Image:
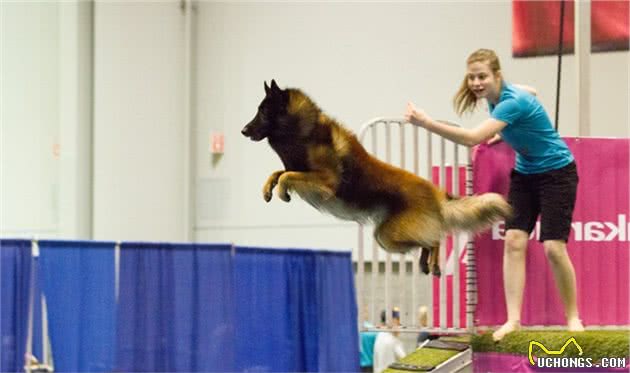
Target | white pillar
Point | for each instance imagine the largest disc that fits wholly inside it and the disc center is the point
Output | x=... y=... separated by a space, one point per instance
x=75 y=118
x=189 y=148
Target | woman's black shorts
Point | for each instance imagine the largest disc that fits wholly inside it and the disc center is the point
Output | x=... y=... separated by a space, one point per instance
x=550 y=194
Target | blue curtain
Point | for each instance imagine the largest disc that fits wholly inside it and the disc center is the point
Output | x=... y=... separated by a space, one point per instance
x=78 y=280
x=214 y=308
x=182 y=307
x=176 y=308
x=298 y=312
x=337 y=309
x=15 y=273
x=264 y=342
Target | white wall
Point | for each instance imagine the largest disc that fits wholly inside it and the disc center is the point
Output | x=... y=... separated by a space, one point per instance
x=358 y=61
x=138 y=126
x=29 y=116
x=45 y=125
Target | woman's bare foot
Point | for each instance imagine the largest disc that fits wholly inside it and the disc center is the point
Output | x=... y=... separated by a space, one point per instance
x=508 y=327
x=575 y=325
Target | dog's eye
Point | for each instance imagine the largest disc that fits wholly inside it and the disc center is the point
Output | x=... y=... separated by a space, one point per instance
x=265 y=112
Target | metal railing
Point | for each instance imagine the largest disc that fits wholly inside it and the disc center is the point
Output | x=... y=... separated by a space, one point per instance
x=420 y=291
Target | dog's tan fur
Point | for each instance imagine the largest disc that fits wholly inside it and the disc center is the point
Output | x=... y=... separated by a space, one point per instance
x=327 y=166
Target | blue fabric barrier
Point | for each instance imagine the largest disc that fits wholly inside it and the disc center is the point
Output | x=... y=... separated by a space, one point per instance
x=337 y=309
x=265 y=342
x=176 y=308
x=15 y=272
x=297 y=311
x=78 y=280
x=211 y=308
x=181 y=307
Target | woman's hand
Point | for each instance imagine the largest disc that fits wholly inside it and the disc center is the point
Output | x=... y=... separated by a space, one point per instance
x=495 y=139
x=416 y=116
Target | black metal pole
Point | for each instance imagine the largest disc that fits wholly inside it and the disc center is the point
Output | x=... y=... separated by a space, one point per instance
x=560 y=45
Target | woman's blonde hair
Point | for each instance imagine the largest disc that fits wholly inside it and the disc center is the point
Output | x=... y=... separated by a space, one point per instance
x=465 y=100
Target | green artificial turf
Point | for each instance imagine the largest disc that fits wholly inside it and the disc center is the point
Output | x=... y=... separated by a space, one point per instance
x=425 y=357
x=595 y=344
x=431 y=356
x=462 y=338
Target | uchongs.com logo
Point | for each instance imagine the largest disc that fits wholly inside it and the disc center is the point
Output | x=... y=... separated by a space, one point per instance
x=552 y=360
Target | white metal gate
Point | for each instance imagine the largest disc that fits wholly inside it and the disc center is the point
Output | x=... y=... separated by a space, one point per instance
x=382 y=132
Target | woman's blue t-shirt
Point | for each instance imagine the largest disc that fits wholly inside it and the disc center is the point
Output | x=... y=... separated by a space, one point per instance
x=529 y=132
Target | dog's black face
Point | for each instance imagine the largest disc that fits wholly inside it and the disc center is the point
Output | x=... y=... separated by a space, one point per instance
x=271 y=109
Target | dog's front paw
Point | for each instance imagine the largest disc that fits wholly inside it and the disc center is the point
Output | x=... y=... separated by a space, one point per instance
x=271 y=183
x=267 y=195
x=284 y=195
x=268 y=189
x=284 y=185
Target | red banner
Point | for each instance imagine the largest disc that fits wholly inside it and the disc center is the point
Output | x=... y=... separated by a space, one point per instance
x=536 y=27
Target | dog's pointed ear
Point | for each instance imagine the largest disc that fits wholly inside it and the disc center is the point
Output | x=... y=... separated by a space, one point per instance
x=274 y=86
x=276 y=92
x=267 y=90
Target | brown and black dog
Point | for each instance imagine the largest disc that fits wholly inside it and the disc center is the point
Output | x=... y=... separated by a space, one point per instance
x=325 y=164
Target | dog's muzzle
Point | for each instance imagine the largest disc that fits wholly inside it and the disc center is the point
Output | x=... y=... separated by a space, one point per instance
x=251 y=131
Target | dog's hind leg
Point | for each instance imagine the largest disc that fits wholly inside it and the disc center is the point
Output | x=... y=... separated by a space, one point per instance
x=434 y=260
x=430 y=260
x=318 y=182
x=402 y=232
x=424 y=260
x=272 y=180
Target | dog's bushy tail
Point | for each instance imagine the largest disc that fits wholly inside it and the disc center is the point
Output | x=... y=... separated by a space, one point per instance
x=475 y=213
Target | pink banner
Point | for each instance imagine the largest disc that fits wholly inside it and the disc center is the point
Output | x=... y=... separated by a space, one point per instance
x=598 y=245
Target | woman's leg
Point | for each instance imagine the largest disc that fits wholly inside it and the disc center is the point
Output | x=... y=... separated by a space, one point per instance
x=564 y=274
x=514 y=255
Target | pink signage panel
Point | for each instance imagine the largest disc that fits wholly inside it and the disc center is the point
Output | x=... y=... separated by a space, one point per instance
x=599 y=244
